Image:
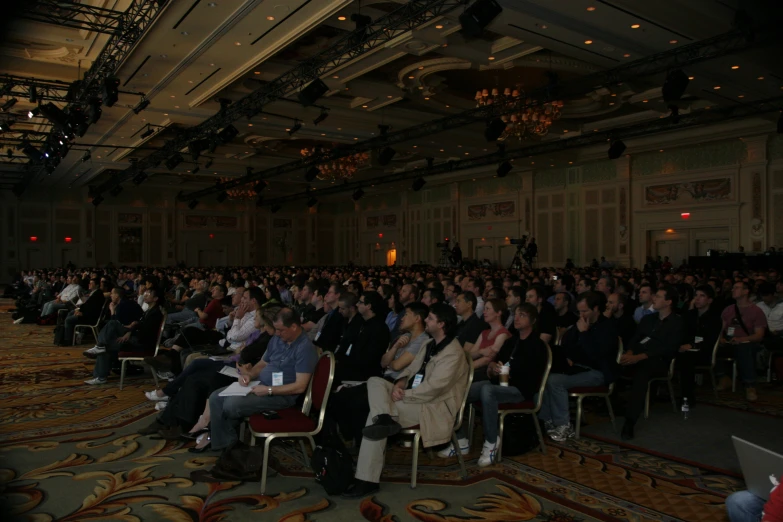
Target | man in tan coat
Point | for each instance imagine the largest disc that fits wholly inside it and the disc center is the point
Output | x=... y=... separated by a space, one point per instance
x=428 y=392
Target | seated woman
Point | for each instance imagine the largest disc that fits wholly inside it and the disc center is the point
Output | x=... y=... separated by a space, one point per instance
x=526 y=357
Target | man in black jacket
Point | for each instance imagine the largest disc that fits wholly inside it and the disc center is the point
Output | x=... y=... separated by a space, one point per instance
x=86 y=313
x=361 y=359
x=656 y=342
x=590 y=349
x=142 y=336
x=702 y=329
x=328 y=337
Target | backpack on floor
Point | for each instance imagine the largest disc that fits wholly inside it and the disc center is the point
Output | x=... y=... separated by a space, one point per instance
x=239 y=462
x=519 y=434
x=331 y=462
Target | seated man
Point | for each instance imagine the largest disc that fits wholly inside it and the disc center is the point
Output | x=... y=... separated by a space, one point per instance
x=115 y=337
x=590 y=349
x=283 y=373
x=702 y=328
x=657 y=340
x=87 y=313
x=188 y=313
x=429 y=392
x=64 y=299
x=620 y=316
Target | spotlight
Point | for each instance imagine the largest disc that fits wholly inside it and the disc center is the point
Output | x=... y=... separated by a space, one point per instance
x=295 y=128
x=195 y=170
x=196 y=146
x=478 y=16
x=111 y=94
x=54 y=114
x=7 y=88
x=430 y=162
x=193 y=204
x=312 y=202
x=147 y=133
x=311 y=174
x=5 y=126
x=224 y=103
x=276 y=208
x=260 y=200
x=95 y=111
x=418 y=184
x=86 y=156
x=30 y=151
x=384 y=129
x=312 y=92
x=358 y=194
x=321 y=117
x=9 y=153
x=139 y=178
x=8 y=104
x=616 y=149
x=222 y=197
x=173 y=161
x=675 y=115
x=503 y=169
x=116 y=191
x=73 y=91
x=386 y=155
x=143 y=104
x=33 y=94
x=361 y=21
x=77 y=121
x=208 y=163
x=97 y=200
x=228 y=134
x=494 y=129
x=674 y=86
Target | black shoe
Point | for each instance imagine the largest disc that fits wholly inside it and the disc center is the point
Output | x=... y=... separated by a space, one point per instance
x=627 y=433
x=152 y=429
x=361 y=488
x=382 y=427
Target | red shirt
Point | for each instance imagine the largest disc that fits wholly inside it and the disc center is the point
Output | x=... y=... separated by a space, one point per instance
x=773 y=509
x=752 y=316
x=214 y=311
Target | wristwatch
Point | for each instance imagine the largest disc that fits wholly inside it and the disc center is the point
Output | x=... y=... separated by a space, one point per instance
x=269 y=390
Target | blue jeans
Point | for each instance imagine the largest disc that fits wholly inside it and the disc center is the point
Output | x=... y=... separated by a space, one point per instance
x=52 y=307
x=199 y=365
x=745 y=355
x=491 y=395
x=554 y=405
x=744 y=506
x=184 y=316
x=227 y=412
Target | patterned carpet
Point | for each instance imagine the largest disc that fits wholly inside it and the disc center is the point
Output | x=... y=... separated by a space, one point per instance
x=69 y=451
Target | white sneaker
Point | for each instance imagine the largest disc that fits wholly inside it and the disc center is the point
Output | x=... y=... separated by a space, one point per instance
x=95 y=350
x=448 y=452
x=562 y=433
x=487 y=455
x=19 y=321
x=164 y=376
x=96 y=380
x=161 y=405
x=153 y=396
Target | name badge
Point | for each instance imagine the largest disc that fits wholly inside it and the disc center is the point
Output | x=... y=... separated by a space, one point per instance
x=698 y=339
x=277 y=379
x=317 y=335
x=417 y=380
x=644 y=341
x=730 y=330
x=348 y=351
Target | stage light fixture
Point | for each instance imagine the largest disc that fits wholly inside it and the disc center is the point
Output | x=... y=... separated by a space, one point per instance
x=196 y=146
x=116 y=191
x=478 y=16
x=222 y=197
x=9 y=153
x=276 y=208
x=193 y=204
x=95 y=110
x=358 y=194
x=261 y=185
x=311 y=174
x=143 y=104
x=28 y=150
x=675 y=85
x=97 y=200
x=8 y=105
x=174 y=160
x=430 y=162
x=111 y=90
x=195 y=170
x=7 y=88
x=227 y=134
x=5 y=126
x=208 y=163
x=312 y=202
x=616 y=149
x=361 y=21
x=386 y=155
x=33 y=94
x=139 y=178
x=54 y=114
x=321 y=117
x=312 y=92
x=86 y=156
x=418 y=184
x=147 y=133
x=297 y=125
x=503 y=169
x=224 y=103
x=495 y=129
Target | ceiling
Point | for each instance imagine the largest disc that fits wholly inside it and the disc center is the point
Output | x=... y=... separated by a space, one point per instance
x=199 y=52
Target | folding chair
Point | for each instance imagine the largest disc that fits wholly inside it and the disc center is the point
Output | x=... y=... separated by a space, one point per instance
x=94 y=328
x=580 y=392
x=711 y=368
x=293 y=422
x=138 y=356
x=668 y=378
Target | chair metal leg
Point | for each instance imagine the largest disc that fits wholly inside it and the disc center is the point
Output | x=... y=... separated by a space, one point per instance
x=471 y=425
x=499 y=441
x=252 y=438
x=265 y=464
x=540 y=435
x=733 y=376
x=578 y=420
x=611 y=413
x=671 y=394
x=304 y=453
x=647 y=402
x=122 y=372
x=415 y=465
x=154 y=376
x=460 y=458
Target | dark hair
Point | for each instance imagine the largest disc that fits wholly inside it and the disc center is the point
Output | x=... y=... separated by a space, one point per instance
x=566 y=296
x=288 y=317
x=419 y=309
x=647 y=285
x=478 y=283
x=609 y=283
x=414 y=290
x=436 y=294
x=539 y=290
x=710 y=292
x=470 y=297
x=222 y=289
x=375 y=301
x=530 y=310
x=446 y=315
x=593 y=299
x=671 y=294
x=517 y=291
x=273 y=291
x=567 y=280
x=349 y=298
x=621 y=298
x=766 y=288
x=120 y=290
x=589 y=282
x=257 y=295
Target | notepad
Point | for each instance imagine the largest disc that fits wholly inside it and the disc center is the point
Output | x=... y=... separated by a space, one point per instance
x=229 y=371
x=237 y=390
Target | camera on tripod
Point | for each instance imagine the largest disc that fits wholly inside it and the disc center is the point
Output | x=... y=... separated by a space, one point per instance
x=442 y=245
x=520 y=242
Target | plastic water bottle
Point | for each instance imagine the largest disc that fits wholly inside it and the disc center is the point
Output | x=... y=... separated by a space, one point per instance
x=685 y=408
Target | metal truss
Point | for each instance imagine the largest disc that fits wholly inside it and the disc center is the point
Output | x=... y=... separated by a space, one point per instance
x=721 y=45
x=375 y=35
x=131 y=27
x=67 y=13
x=19 y=86
x=659 y=125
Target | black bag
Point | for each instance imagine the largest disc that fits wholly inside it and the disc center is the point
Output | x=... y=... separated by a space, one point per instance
x=59 y=335
x=519 y=434
x=239 y=462
x=332 y=464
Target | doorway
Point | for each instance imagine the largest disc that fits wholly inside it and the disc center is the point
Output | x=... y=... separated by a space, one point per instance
x=704 y=245
x=35 y=258
x=69 y=256
x=391 y=257
x=675 y=249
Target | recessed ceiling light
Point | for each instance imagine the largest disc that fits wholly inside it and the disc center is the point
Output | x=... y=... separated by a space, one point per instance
x=165 y=113
x=588 y=42
x=543 y=26
x=635 y=26
x=735 y=67
x=322 y=134
x=287 y=129
x=176 y=106
x=532 y=162
x=355 y=139
x=760 y=78
x=438 y=27
x=707 y=107
x=341 y=18
x=691 y=77
x=645 y=101
x=591 y=8
x=212 y=4
x=626 y=55
x=570 y=162
x=249 y=124
x=256 y=72
x=164 y=55
x=364 y=106
x=212 y=65
x=491 y=58
x=611 y=103
x=184 y=33
x=389 y=96
x=172 y=96
x=336 y=76
x=442 y=150
x=672 y=41
x=339 y=128
x=237 y=43
x=190 y=81
x=411 y=77
x=448 y=106
x=270 y=18
x=613 y=95
x=716 y=87
x=741 y=96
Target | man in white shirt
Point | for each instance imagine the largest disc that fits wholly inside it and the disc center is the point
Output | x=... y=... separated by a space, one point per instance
x=645 y=303
x=476 y=285
x=772 y=306
x=64 y=299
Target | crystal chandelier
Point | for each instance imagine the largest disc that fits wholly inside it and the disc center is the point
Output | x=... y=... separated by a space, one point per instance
x=340 y=168
x=533 y=120
x=247 y=191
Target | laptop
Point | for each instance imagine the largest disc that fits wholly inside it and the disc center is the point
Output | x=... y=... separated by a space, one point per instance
x=761 y=468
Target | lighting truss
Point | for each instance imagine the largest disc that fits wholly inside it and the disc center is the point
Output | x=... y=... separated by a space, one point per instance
x=715 y=47
x=66 y=13
x=51 y=90
x=376 y=35
x=659 y=125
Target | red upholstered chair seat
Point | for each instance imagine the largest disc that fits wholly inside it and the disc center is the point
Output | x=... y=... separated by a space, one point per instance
x=143 y=353
x=291 y=420
x=524 y=405
x=589 y=389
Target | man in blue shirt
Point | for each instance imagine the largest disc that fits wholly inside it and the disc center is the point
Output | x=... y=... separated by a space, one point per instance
x=284 y=373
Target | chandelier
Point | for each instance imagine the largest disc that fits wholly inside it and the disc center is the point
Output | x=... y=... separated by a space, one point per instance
x=340 y=168
x=533 y=120
x=247 y=191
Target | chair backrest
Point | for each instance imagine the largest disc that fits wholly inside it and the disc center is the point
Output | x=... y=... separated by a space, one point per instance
x=102 y=314
x=620 y=351
x=458 y=420
x=715 y=351
x=320 y=387
x=544 y=378
x=160 y=330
